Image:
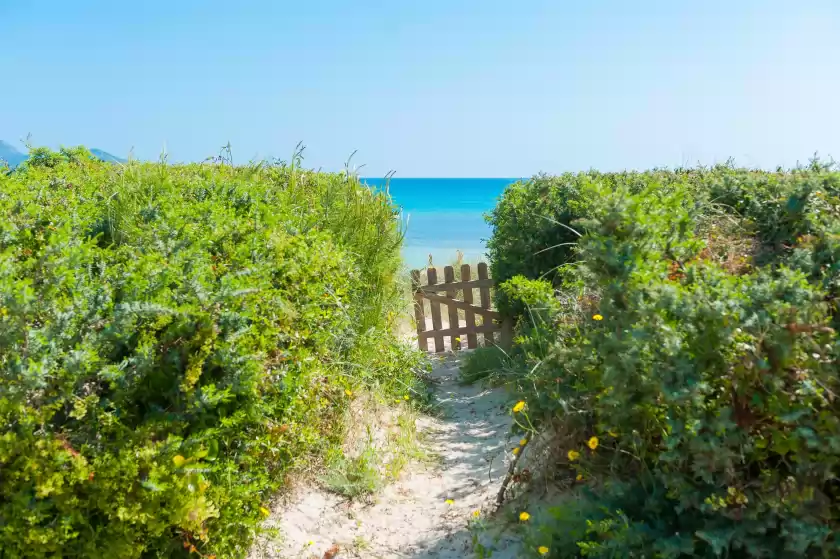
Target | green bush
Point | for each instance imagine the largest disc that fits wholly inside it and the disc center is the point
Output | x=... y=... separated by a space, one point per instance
x=173 y=339
x=698 y=398
x=534 y=231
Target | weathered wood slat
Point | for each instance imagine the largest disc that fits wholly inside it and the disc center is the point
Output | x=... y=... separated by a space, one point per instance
x=491 y=321
x=458 y=285
x=488 y=314
x=484 y=294
x=419 y=313
x=507 y=333
x=469 y=315
x=435 y=301
x=449 y=278
x=459 y=331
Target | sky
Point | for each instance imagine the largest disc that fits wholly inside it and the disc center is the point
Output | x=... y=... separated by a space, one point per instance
x=442 y=88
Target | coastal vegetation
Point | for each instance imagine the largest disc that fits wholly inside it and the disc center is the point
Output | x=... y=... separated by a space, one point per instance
x=677 y=340
x=176 y=339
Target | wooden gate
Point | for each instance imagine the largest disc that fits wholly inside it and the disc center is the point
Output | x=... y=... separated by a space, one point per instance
x=490 y=325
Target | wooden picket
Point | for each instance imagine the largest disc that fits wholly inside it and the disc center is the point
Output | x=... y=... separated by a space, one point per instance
x=492 y=322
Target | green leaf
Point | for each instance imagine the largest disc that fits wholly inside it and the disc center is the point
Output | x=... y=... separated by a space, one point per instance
x=718 y=539
x=793 y=416
x=212 y=450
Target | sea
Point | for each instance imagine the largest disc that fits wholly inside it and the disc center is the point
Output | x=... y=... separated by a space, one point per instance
x=443 y=216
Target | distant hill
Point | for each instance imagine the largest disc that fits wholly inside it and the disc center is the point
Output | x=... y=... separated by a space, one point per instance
x=105 y=156
x=14 y=157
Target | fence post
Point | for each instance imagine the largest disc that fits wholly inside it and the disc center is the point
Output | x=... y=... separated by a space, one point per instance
x=507 y=333
x=419 y=314
x=454 y=321
x=469 y=316
x=431 y=273
x=484 y=295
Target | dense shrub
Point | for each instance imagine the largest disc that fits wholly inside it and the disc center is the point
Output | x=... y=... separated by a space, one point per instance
x=173 y=339
x=698 y=395
x=533 y=231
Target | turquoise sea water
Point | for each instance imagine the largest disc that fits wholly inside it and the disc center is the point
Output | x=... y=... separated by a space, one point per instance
x=444 y=216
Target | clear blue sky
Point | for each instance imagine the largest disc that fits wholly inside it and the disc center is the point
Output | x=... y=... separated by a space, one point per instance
x=432 y=87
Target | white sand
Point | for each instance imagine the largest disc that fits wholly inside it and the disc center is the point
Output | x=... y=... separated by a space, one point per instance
x=410 y=518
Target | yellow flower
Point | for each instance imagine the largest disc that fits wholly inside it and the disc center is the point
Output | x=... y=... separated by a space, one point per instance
x=524 y=516
x=523 y=442
x=449 y=502
x=264 y=511
x=543 y=550
x=592 y=443
x=520 y=405
x=178 y=461
x=597 y=317
x=476 y=513
x=457 y=339
x=405 y=397
x=579 y=477
x=310 y=542
x=516 y=451
x=348 y=392
x=573 y=455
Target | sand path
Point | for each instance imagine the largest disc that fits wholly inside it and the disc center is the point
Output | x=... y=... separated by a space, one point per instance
x=410 y=518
